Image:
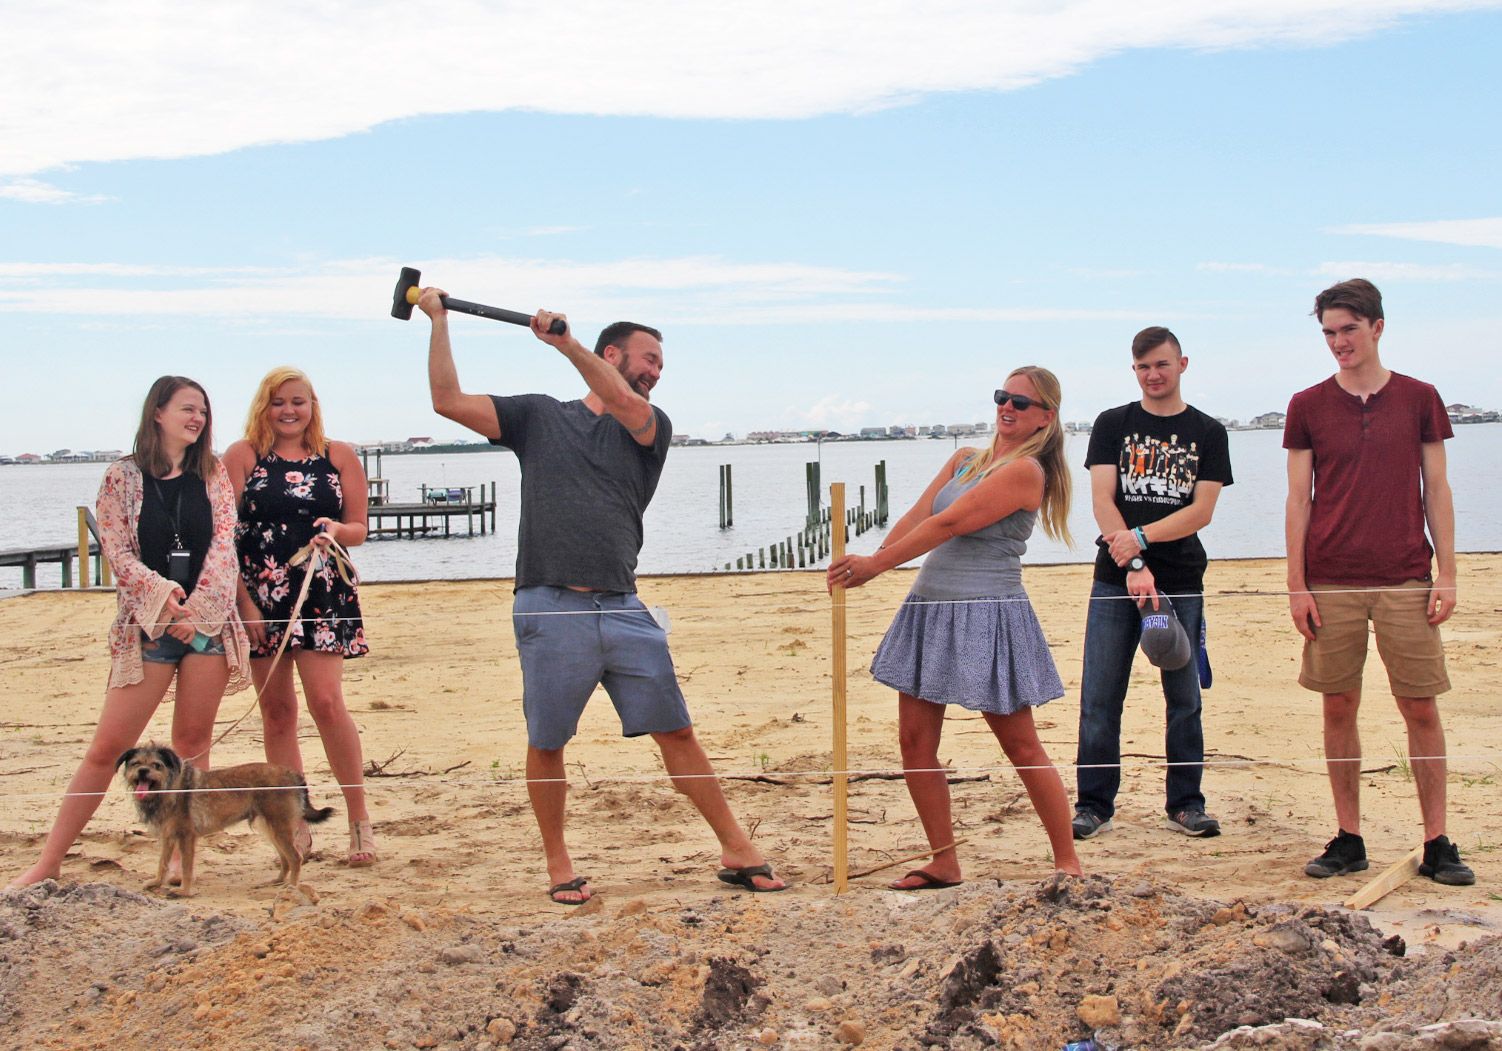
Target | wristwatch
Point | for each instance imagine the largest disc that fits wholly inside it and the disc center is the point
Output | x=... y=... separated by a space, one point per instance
x=1136 y=565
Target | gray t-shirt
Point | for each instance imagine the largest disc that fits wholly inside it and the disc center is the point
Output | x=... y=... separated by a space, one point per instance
x=984 y=564
x=585 y=485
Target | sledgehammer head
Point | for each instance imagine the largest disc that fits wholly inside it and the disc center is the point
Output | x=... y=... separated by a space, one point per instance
x=408 y=288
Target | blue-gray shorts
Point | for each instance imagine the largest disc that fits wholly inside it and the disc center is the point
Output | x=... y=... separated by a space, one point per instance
x=571 y=641
x=167 y=650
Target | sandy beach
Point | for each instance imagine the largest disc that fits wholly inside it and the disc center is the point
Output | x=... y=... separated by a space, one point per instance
x=450 y=941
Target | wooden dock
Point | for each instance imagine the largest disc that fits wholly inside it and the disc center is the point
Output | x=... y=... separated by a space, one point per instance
x=28 y=558
x=436 y=514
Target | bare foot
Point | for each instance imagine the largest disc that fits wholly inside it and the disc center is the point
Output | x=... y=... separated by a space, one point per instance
x=33 y=876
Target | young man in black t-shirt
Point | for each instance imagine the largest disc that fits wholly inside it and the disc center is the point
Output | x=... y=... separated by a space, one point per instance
x=1156 y=469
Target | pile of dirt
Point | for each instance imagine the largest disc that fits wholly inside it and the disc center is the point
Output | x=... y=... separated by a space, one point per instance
x=1025 y=966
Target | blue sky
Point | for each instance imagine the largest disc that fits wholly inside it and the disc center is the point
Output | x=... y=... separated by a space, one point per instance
x=843 y=217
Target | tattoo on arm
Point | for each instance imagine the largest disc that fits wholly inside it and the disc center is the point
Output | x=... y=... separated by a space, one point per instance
x=639 y=431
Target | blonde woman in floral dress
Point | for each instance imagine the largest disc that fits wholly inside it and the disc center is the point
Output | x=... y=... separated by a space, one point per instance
x=166 y=523
x=295 y=486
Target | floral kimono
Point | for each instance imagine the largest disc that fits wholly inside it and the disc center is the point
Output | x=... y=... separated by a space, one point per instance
x=142 y=594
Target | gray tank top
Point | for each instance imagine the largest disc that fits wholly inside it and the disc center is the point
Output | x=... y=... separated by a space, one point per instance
x=982 y=564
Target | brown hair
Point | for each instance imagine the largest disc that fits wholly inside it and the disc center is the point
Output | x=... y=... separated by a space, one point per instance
x=258 y=429
x=617 y=333
x=148 y=454
x=1047 y=447
x=1150 y=339
x=1358 y=295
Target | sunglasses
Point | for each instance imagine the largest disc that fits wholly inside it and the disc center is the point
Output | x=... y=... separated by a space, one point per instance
x=1021 y=402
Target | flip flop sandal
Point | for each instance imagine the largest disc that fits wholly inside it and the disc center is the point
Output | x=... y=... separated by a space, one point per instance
x=575 y=884
x=746 y=878
x=930 y=881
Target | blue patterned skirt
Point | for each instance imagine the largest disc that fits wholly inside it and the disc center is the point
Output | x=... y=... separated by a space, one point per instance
x=986 y=654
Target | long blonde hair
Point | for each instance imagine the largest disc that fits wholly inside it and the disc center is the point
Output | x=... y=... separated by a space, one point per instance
x=258 y=430
x=1047 y=447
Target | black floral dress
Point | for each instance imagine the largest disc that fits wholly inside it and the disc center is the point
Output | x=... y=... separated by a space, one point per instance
x=281 y=501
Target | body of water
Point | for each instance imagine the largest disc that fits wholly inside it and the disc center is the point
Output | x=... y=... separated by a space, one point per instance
x=37 y=503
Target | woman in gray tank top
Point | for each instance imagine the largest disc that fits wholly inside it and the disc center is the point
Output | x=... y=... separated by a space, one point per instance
x=967 y=634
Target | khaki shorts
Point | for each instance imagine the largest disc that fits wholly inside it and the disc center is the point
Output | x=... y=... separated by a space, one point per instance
x=1408 y=644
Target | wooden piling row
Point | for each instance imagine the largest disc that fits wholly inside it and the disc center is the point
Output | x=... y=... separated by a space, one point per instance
x=813 y=542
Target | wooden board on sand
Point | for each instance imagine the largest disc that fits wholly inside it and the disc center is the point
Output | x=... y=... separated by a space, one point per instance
x=1388 y=882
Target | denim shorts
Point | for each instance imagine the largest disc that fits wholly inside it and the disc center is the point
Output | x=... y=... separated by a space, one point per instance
x=167 y=650
x=570 y=642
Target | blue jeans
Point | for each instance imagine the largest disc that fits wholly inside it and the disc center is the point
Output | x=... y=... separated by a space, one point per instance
x=1113 y=629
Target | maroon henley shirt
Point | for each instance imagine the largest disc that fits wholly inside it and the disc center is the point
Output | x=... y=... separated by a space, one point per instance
x=1366 y=527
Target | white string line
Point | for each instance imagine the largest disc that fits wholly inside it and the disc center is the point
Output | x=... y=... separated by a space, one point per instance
x=1204 y=596
x=792 y=775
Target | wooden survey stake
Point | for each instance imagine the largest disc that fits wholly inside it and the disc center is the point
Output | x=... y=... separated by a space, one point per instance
x=1388 y=882
x=837 y=671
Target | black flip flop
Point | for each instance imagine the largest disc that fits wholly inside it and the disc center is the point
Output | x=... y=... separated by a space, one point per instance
x=746 y=878
x=930 y=881
x=577 y=883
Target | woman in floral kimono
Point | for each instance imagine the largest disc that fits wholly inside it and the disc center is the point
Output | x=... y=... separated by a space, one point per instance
x=297 y=487
x=167 y=525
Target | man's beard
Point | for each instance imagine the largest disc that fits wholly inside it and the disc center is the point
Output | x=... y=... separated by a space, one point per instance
x=639 y=385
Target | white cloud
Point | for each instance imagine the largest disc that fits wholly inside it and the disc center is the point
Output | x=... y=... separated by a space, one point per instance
x=34 y=191
x=1381 y=271
x=84 y=81
x=1373 y=270
x=1479 y=233
x=833 y=412
x=1242 y=268
x=685 y=290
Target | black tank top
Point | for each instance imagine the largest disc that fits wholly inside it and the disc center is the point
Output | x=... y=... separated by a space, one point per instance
x=175 y=508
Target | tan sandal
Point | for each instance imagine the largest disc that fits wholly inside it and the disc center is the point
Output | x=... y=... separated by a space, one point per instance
x=361 y=844
x=302 y=840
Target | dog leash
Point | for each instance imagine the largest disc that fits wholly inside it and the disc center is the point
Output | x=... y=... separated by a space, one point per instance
x=315 y=558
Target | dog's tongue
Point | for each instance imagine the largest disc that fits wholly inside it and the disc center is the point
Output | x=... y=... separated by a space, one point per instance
x=142 y=789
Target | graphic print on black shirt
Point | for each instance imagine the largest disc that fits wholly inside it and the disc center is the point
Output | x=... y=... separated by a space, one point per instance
x=1157 y=471
x=1158 y=461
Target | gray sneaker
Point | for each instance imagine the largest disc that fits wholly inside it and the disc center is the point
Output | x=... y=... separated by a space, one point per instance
x=1194 y=823
x=1087 y=825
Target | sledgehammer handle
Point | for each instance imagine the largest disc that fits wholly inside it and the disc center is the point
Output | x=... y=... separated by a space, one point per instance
x=461 y=306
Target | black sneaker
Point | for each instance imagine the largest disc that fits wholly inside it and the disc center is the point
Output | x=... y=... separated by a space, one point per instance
x=1086 y=824
x=1194 y=823
x=1345 y=853
x=1442 y=864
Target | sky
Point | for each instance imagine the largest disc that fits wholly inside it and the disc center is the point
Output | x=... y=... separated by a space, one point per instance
x=840 y=215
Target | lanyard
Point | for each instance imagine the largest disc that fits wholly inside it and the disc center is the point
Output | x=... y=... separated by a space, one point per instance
x=175 y=515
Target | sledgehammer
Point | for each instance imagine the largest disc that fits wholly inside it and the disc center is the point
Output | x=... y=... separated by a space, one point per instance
x=409 y=288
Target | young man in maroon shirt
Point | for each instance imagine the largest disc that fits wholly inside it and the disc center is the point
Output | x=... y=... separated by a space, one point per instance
x=1366 y=472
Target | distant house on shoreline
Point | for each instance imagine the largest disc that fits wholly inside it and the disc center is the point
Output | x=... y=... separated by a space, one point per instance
x=1460 y=413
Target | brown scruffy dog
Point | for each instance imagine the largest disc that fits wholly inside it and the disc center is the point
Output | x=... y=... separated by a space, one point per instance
x=183 y=802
